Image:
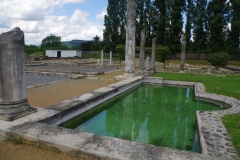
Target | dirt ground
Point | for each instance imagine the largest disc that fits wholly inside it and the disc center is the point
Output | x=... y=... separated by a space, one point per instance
x=44 y=97
x=11 y=151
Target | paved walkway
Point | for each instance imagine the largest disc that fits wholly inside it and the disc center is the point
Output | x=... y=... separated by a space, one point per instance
x=71 y=68
x=33 y=79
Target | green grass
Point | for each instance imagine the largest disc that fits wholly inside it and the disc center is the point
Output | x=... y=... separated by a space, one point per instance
x=228 y=85
x=232 y=123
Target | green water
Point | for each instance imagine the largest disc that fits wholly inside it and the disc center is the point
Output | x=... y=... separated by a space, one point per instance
x=158 y=115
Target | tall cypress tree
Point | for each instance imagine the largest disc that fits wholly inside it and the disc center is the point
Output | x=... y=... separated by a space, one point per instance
x=148 y=22
x=233 y=43
x=218 y=18
x=114 y=23
x=159 y=18
x=122 y=21
x=199 y=27
x=188 y=26
x=175 y=9
x=140 y=19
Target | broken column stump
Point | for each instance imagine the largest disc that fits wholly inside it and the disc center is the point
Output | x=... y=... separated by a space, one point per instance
x=130 y=39
x=13 y=101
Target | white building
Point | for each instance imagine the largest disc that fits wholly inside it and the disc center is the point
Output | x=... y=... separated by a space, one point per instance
x=63 y=53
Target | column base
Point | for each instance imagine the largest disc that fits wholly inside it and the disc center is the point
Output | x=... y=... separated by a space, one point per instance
x=14 y=110
x=125 y=76
x=181 y=71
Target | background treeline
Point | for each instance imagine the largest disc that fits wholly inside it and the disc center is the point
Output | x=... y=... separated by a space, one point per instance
x=53 y=42
x=209 y=25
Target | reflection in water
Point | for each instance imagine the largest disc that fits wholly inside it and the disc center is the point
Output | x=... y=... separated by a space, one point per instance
x=163 y=116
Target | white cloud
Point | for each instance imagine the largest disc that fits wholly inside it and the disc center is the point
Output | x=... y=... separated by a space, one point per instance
x=101 y=15
x=79 y=16
x=35 y=18
x=62 y=2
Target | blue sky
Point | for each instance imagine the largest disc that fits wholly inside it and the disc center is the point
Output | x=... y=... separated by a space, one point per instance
x=70 y=19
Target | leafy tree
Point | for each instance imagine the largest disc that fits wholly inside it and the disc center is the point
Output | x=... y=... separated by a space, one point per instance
x=96 y=44
x=30 y=49
x=122 y=21
x=78 y=47
x=218 y=18
x=144 y=10
x=86 y=46
x=175 y=23
x=233 y=42
x=199 y=26
x=218 y=59
x=96 y=39
x=114 y=23
x=51 y=41
x=159 y=20
x=189 y=21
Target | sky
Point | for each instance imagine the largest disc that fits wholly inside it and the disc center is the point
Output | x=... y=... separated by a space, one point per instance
x=69 y=19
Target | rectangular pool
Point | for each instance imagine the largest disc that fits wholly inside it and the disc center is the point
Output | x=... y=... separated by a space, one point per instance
x=152 y=114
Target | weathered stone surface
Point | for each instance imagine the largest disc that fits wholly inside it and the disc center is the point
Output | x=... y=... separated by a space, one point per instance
x=153 y=58
x=208 y=70
x=142 y=51
x=13 y=102
x=183 y=53
x=130 y=39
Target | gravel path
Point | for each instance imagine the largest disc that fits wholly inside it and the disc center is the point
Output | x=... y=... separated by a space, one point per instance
x=71 y=68
x=34 y=79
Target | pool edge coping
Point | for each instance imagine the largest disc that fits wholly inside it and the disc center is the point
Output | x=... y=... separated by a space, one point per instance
x=27 y=130
x=219 y=135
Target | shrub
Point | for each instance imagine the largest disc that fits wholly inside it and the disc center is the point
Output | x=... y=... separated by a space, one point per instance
x=218 y=59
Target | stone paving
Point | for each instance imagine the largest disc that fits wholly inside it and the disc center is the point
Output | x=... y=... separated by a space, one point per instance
x=77 y=69
x=33 y=79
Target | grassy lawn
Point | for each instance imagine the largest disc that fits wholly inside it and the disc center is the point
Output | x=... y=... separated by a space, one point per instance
x=202 y=62
x=228 y=85
x=232 y=123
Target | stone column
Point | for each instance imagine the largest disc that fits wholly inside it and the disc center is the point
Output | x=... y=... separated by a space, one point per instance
x=130 y=39
x=153 y=58
x=102 y=57
x=141 y=57
x=147 y=63
x=110 y=58
x=208 y=70
x=13 y=101
x=183 y=54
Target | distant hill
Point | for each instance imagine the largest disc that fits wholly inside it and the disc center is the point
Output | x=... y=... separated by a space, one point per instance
x=71 y=43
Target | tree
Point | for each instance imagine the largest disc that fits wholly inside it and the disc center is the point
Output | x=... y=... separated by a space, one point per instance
x=175 y=23
x=51 y=41
x=189 y=21
x=218 y=59
x=114 y=23
x=30 y=49
x=159 y=19
x=86 y=46
x=218 y=18
x=199 y=26
x=96 y=45
x=96 y=39
x=232 y=45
